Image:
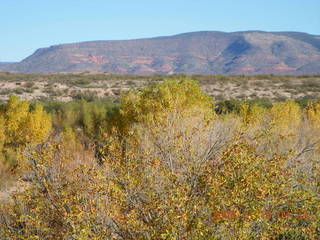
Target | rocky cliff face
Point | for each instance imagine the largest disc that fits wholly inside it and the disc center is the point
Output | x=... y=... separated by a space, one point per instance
x=251 y=52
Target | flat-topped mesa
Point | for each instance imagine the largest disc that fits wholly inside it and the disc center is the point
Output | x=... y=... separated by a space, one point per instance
x=250 y=52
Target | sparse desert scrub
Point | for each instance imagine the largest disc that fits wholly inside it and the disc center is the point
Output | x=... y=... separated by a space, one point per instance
x=232 y=86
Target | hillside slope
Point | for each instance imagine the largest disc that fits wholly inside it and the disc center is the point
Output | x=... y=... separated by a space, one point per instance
x=251 y=52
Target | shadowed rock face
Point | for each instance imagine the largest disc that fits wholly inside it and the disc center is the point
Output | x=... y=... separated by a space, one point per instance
x=251 y=52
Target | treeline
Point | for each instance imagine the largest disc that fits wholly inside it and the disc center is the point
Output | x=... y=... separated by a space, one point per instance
x=165 y=162
x=90 y=114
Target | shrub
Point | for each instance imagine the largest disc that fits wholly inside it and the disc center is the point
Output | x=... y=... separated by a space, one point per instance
x=22 y=126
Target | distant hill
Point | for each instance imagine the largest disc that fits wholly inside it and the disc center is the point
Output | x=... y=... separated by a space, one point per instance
x=251 y=52
x=4 y=64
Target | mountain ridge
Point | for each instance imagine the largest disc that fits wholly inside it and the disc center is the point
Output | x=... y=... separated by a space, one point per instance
x=204 y=52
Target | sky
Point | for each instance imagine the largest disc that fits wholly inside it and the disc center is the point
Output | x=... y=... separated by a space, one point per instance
x=26 y=25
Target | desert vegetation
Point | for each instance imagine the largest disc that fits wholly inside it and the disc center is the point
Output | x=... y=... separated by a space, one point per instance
x=162 y=161
x=70 y=86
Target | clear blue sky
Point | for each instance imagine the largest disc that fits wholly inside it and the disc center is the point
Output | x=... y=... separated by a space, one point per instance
x=26 y=25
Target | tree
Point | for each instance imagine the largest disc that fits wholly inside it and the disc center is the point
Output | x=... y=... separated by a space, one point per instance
x=21 y=126
x=172 y=98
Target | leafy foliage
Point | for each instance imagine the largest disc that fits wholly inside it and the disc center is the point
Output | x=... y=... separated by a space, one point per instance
x=21 y=126
x=169 y=167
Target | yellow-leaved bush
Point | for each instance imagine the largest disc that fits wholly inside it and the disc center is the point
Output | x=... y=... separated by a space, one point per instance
x=285 y=118
x=2 y=129
x=172 y=98
x=21 y=125
x=313 y=114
